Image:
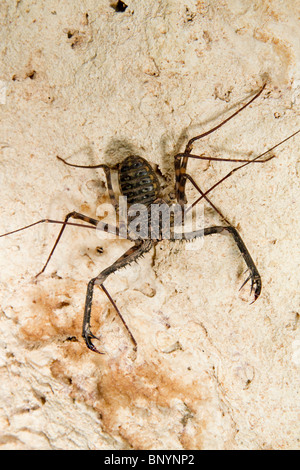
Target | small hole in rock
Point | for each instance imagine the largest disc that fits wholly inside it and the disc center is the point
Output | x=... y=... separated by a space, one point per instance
x=118 y=6
x=62 y=304
x=32 y=74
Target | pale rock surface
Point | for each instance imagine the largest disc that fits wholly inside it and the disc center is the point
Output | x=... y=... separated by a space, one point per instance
x=87 y=83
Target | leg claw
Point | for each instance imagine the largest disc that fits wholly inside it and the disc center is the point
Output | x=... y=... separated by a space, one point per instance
x=255 y=285
x=88 y=335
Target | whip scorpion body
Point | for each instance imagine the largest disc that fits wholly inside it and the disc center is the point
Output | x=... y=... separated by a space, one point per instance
x=139 y=183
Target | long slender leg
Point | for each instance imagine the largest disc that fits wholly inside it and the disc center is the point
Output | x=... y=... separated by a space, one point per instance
x=46 y=221
x=220 y=159
x=128 y=257
x=181 y=160
x=180 y=169
x=95 y=224
x=187 y=176
x=74 y=215
x=107 y=171
x=210 y=131
x=242 y=166
x=181 y=181
x=254 y=274
x=99 y=225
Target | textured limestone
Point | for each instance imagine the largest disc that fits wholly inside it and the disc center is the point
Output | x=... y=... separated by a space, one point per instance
x=86 y=82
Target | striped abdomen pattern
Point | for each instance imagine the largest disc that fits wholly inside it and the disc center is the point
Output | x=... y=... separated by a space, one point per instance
x=138 y=181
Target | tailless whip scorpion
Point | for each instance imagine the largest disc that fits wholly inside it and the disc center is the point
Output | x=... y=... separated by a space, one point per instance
x=140 y=184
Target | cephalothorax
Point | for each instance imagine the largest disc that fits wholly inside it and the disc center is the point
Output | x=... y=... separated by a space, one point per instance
x=139 y=183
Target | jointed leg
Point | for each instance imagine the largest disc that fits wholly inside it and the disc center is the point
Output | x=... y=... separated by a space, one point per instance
x=181 y=160
x=242 y=166
x=94 y=224
x=187 y=176
x=128 y=257
x=189 y=145
x=181 y=197
x=45 y=221
x=181 y=164
x=107 y=171
x=254 y=274
x=75 y=215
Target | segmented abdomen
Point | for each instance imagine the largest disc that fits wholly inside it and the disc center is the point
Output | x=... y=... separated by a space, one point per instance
x=138 y=181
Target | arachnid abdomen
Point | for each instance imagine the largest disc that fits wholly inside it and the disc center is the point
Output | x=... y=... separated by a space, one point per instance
x=138 y=181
